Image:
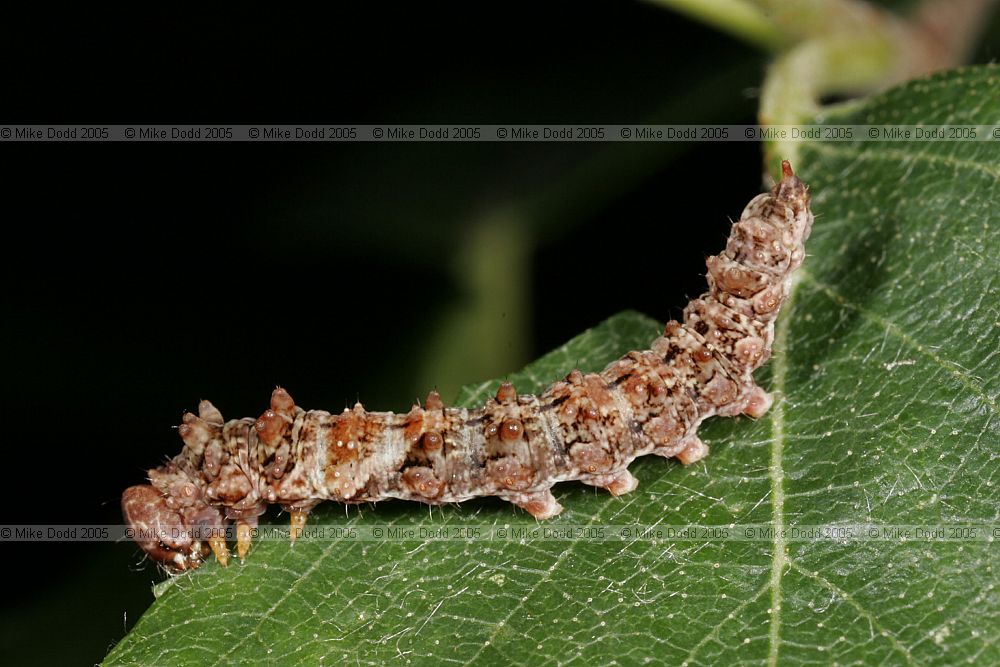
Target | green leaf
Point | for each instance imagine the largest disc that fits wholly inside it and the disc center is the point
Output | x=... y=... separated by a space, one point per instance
x=886 y=370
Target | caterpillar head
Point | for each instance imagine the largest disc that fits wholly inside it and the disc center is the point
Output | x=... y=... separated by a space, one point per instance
x=175 y=537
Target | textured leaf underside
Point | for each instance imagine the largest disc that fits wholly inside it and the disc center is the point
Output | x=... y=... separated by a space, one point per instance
x=886 y=370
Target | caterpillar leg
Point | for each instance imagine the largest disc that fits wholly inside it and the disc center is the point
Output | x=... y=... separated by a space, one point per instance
x=617 y=483
x=541 y=505
x=758 y=404
x=694 y=450
x=243 y=537
x=298 y=513
x=298 y=524
x=220 y=549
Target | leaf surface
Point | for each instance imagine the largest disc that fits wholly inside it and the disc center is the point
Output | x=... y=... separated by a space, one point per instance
x=886 y=370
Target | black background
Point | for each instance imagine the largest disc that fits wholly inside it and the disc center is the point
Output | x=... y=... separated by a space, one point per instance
x=139 y=278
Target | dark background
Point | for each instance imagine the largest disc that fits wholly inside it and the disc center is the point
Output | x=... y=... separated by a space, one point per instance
x=139 y=278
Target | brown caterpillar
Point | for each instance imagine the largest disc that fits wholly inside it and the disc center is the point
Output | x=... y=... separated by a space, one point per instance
x=585 y=427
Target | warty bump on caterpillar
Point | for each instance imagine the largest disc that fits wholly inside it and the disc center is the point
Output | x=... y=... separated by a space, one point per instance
x=587 y=427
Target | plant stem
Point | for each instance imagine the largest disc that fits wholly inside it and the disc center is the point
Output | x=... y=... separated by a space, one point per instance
x=741 y=18
x=855 y=48
x=838 y=46
x=797 y=81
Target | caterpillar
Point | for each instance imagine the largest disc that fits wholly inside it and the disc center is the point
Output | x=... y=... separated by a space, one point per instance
x=586 y=427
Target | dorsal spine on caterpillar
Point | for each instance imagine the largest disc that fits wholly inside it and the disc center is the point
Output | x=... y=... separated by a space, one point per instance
x=587 y=427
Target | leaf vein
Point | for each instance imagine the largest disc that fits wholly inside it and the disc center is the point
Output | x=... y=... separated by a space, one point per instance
x=897 y=155
x=291 y=589
x=868 y=615
x=891 y=327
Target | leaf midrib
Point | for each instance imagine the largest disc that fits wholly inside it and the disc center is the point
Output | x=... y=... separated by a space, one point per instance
x=776 y=472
